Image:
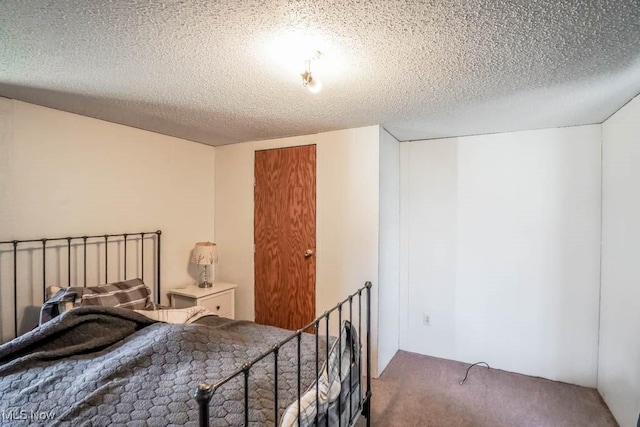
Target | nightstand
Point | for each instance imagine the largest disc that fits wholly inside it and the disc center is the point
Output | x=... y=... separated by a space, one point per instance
x=220 y=299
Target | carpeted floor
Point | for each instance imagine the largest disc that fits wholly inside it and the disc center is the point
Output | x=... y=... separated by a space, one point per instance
x=424 y=391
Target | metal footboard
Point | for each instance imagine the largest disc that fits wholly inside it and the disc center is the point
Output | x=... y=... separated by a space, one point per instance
x=205 y=392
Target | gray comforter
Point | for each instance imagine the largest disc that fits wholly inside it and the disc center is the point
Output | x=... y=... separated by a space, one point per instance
x=110 y=366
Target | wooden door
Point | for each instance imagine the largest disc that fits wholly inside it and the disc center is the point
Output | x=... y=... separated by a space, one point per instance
x=285 y=236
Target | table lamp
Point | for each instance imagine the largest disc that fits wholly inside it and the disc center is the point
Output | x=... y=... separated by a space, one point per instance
x=205 y=253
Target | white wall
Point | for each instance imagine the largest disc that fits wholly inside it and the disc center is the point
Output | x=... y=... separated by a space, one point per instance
x=619 y=363
x=63 y=174
x=347 y=218
x=500 y=243
x=389 y=252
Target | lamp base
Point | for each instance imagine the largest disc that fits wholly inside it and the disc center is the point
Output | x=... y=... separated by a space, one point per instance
x=205 y=285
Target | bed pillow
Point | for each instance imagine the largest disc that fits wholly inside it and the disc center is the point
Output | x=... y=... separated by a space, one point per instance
x=329 y=386
x=177 y=315
x=132 y=294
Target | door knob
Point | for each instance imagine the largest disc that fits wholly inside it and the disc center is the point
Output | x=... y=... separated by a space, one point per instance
x=308 y=253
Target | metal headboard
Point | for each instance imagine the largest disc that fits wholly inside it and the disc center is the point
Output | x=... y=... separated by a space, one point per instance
x=81 y=243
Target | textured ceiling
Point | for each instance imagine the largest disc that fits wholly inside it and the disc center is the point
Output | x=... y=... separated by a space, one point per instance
x=229 y=71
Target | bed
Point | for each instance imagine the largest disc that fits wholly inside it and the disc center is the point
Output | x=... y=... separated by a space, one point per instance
x=106 y=365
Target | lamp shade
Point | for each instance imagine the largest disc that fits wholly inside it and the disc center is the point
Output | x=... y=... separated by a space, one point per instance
x=204 y=253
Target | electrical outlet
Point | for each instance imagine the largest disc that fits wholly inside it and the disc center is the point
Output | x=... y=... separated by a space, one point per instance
x=426 y=319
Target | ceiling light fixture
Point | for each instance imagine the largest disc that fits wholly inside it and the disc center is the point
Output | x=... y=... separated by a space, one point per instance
x=308 y=81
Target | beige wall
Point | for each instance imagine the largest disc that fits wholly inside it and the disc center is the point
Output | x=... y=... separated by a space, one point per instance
x=346 y=223
x=389 y=270
x=63 y=174
x=501 y=249
x=619 y=364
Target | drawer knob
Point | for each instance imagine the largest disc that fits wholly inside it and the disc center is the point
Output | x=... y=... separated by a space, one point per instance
x=218 y=308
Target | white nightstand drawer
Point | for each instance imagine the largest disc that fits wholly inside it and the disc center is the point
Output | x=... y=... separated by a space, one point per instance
x=219 y=303
x=219 y=299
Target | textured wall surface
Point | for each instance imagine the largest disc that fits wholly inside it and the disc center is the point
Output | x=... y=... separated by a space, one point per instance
x=228 y=71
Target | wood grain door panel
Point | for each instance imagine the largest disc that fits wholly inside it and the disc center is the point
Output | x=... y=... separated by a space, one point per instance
x=284 y=229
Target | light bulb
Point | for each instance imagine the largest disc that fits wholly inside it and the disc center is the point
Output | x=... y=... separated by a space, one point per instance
x=314 y=85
